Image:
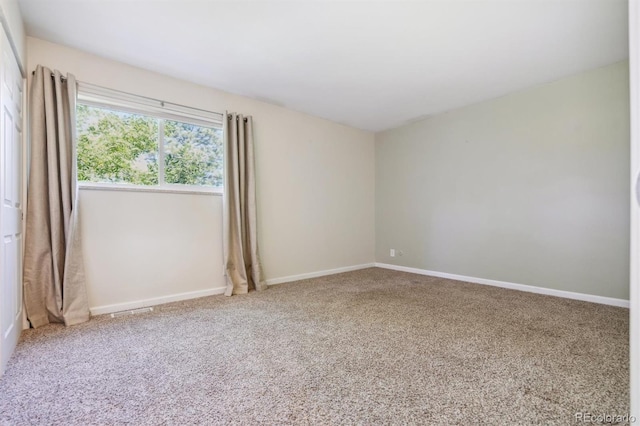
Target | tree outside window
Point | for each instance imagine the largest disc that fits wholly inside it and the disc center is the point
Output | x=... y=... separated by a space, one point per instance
x=123 y=147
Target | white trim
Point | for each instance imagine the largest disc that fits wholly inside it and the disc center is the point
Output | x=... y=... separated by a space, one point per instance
x=110 y=98
x=4 y=21
x=290 y=278
x=170 y=188
x=634 y=282
x=126 y=306
x=161 y=153
x=114 y=107
x=521 y=287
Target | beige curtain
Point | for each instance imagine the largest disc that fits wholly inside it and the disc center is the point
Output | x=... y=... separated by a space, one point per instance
x=242 y=262
x=54 y=281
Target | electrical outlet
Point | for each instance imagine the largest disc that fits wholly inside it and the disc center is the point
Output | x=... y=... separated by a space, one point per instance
x=392 y=252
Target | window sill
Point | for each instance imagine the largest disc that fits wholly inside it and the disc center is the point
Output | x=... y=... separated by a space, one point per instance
x=173 y=189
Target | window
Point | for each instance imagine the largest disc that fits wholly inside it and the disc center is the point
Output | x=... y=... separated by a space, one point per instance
x=128 y=141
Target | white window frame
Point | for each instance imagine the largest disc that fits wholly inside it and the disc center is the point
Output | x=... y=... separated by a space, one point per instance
x=101 y=97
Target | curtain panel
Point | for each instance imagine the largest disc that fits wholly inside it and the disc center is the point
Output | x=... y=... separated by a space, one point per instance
x=241 y=258
x=54 y=278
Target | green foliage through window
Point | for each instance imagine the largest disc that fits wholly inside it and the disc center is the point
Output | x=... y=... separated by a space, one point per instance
x=121 y=147
x=193 y=154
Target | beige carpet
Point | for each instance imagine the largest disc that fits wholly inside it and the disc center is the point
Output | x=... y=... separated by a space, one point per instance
x=365 y=347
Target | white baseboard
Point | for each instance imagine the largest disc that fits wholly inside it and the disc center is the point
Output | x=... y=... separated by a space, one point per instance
x=117 y=307
x=281 y=280
x=107 y=309
x=522 y=287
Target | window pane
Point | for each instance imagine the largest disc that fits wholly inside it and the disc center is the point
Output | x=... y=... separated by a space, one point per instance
x=193 y=154
x=116 y=146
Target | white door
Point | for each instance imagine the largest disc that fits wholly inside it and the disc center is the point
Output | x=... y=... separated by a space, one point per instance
x=11 y=85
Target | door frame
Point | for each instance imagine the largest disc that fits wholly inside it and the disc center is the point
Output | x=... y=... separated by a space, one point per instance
x=634 y=285
x=14 y=96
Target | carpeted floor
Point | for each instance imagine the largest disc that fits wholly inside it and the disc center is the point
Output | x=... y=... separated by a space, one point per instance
x=366 y=347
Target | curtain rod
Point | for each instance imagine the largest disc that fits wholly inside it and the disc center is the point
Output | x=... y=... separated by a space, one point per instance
x=243 y=119
x=63 y=78
x=95 y=86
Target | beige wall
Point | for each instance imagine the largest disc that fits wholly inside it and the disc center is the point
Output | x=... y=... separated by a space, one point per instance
x=531 y=188
x=315 y=196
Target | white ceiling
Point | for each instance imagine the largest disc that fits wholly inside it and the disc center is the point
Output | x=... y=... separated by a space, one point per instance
x=371 y=65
